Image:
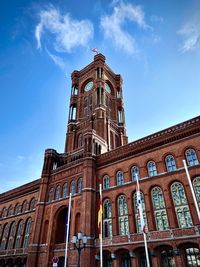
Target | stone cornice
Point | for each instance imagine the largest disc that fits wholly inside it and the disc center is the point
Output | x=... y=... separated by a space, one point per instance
x=166 y=136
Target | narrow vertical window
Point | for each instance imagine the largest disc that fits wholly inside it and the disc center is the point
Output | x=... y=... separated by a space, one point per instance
x=120 y=178
x=106 y=182
x=3 y=213
x=9 y=211
x=191 y=157
x=107 y=218
x=80 y=185
x=18 y=235
x=51 y=195
x=80 y=140
x=58 y=192
x=72 y=187
x=123 y=216
x=11 y=236
x=160 y=213
x=32 y=204
x=90 y=104
x=16 y=210
x=27 y=233
x=24 y=206
x=152 y=168
x=196 y=185
x=4 y=237
x=137 y=215
x=181 y=205
x=85 y=106
x=170 y=163
x=64 y=195
x=134 y=172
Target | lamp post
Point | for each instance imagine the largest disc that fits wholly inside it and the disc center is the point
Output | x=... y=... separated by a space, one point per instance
x=79 y=242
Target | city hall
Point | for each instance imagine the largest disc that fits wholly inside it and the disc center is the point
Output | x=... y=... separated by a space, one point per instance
x=97 y=151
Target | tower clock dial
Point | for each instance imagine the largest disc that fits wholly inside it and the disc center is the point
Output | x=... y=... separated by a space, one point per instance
x=88 y=86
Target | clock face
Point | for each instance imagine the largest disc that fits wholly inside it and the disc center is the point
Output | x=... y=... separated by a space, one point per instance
x=88 y=86
x=107 y=88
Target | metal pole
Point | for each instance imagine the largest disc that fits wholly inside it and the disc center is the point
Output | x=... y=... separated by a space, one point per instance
x=142 y=222
x=101 y=228
x=79 y=255
x=68 y=222
x=192 y=189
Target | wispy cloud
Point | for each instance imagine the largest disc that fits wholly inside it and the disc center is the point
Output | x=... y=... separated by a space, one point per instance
x=190 y=33
x=68 y=32
x=57 y=60
x=112 y=25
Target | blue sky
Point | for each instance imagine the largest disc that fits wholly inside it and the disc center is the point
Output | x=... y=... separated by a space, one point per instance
x=154 y=45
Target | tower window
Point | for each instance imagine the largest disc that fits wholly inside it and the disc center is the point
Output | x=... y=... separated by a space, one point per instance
x=75 y=89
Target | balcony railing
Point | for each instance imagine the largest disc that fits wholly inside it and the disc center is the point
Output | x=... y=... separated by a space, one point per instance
x=172 y=234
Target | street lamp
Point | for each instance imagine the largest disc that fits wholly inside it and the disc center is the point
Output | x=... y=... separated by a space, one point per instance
x=79 y=242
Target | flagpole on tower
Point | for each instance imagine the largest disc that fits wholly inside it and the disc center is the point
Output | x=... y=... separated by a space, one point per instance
x=140 y=211
x=67 y=223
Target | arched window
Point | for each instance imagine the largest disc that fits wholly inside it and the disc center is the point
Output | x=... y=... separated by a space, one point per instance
x=51 y=195
x=181 y=205
x=3 y=213
x=72 y=187
x=134 y=172
x=80 y=140
x=137 y=216
x=80 y=185
x=123 y=216
x=32 y=204
x=58 y=192
x=106 y=182
x=151 y=168
x=9 y=211
x=193 y=256
x=26 y=233
x=24 y=206
x=11 y=236
x=120 y=178
x=18 y=235
x=170 y=163
x=16 y=210
x=159 y=209
x=4 y=237
x=64 y=194
x=72 y=115
x=196 y=185
x=107 y=218
x=191 y=157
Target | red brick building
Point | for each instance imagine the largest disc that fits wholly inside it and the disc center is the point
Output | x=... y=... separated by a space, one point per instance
x=32 y=217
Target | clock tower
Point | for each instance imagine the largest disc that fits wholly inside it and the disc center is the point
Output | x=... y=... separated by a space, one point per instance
x=96 y=121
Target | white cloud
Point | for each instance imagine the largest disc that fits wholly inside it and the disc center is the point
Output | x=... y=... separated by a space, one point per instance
x=190 y=33
x=68 y=32
x=57 y=60
x=113 y=25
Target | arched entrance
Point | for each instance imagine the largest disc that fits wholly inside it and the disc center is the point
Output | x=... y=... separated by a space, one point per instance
x=166 y=255
x=61 y=221
x=124 y=258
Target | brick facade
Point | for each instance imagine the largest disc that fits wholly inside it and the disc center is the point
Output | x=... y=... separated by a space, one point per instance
x=97 y=146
